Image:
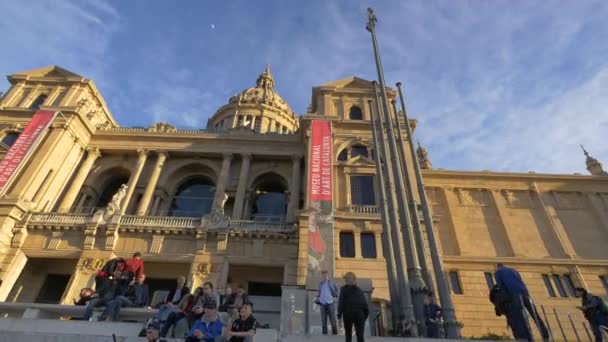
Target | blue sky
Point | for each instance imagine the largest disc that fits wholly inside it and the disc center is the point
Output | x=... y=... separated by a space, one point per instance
x=495 y=85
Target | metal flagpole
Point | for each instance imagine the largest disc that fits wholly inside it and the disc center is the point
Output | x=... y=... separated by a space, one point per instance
x=387 y=243
x=414 y=273
x=399 y=252
x=401 y=141
x=452 y=325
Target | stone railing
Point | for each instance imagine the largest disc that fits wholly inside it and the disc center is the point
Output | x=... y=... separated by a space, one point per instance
x=260 y=226
x=160 y=221
x=59 y=218
x=364 y=209
x=56 y=311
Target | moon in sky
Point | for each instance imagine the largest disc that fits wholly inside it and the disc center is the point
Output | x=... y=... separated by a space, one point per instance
x=213 y=26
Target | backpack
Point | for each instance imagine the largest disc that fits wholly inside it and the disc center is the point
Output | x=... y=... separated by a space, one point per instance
x=501 y=300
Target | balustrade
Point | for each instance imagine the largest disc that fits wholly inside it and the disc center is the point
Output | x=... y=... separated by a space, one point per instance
x=364 y=209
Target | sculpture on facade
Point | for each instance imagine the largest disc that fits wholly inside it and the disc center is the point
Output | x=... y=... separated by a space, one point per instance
x=114 y=205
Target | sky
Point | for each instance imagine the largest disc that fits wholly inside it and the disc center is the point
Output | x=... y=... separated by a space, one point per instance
x=495 y=85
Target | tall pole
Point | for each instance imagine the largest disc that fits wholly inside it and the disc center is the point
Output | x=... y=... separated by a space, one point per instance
x=401 y=141
x=414 y=273
x=387 y=243
x=452 y=325
x=407 y=308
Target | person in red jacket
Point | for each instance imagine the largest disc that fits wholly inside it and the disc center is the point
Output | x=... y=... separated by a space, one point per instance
x=134 y=267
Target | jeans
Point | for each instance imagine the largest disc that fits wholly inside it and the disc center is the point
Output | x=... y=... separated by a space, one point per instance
x=328 y=310
x=433 y=330
x=173 y=318
x=531 y=308
x=517 y=319
x=92 y=304
x=164 y=311
x=357 y=319
x=114 y=306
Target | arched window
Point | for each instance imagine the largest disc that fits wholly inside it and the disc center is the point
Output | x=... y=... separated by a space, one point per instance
x=38 y=101
x=358 y=150
x=193 y=198
x=10 y=138
x=343 y=155
x=110 y=189
x=355 y=113
x=269 y=200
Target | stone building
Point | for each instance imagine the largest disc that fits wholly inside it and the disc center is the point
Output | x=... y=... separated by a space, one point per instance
x=229 y=203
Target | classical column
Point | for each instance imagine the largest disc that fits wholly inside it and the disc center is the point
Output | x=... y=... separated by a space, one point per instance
x=503 y=217
x=145 y=200
x=83 y=172
x=141 y=161
x=220 y=187
x=564 y=244
x=237 y=212
x=294 y=198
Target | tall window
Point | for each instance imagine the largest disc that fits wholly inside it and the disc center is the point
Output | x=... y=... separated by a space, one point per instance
x=10 y=138
x=193 y=198
x=489 y=279
x=604 y=281
x=548 y=286
x=110 y=189
x=358 y=150
x=258 y=124
x=269 y=199
x=559 y=286
x=355 y=113
x=455 y=282
x=347 y=245
x=569 y=285
x=239 y=121
x=368 y=245
x=362 y=190
x=38 y=101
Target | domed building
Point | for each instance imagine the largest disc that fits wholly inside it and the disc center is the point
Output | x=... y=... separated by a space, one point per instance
x=259 y=108
x=260 y=200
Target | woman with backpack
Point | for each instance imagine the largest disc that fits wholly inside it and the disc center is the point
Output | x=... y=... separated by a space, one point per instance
x=595 y=310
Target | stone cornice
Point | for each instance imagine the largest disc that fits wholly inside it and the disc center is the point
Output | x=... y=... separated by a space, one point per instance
x=476 y=175
x=523 y=261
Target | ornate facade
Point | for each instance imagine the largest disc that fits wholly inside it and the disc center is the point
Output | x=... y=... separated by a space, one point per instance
x=228 y=204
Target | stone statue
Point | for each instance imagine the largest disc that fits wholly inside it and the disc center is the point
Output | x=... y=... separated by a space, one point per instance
x=114 y=205
x=224 y=201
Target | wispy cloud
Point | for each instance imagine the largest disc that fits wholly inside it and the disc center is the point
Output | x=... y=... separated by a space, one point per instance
x=495 y=85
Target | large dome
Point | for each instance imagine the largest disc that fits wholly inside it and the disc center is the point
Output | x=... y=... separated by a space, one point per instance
x=262 y=93
x=259 y=108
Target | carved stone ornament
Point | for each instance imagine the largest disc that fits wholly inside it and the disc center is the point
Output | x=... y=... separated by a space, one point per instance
x=162 y=127
x=114 y=205
x=216 y=219
x=202 y=270
x=81 y=103
x=466 y=198
x=90 y=265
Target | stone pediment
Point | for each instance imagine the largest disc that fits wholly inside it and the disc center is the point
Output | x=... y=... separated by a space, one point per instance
x=360 y=160
x=352 y=82
x=49 y=71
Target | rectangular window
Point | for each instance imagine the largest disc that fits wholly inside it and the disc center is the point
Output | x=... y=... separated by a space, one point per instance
x=489 y=279
x=362 y=190
x=455 y=283
x=604 y=281
x=567 y=280
x=239 y=121
x=559 y=286
x=368 y=245
x=548 y=285
x=258 y=124
x=347 y=245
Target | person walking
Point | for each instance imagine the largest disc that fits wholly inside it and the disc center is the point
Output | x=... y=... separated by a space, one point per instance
x=352 y=308
x=595 y=310
x=328 y=291
x=511 y=282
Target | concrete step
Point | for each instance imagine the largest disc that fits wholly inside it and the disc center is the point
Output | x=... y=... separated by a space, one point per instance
x=294 y=338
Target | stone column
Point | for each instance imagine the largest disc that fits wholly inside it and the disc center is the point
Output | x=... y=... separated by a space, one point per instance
x=237 y=212
x=500 y=211
x=220 y=187
x=83 y=172
x=141 y=161
x=294 y=198
x=147 y=197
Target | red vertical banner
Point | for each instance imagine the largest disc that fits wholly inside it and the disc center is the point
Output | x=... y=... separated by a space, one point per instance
x=23 y=146
x=320 y=192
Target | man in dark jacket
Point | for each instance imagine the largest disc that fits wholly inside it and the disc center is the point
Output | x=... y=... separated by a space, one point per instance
x=595 y=310
x=117 y=286
x=137 y=295
x=510 y=281
x=104 y=275
x=432 y=317
x=353 y=306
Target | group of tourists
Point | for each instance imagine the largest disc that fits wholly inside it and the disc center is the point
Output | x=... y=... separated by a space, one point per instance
x=353 y=309
x=511 y=298
x=199 y=316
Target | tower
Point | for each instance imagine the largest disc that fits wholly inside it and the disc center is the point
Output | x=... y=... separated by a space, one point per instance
x=593 y=165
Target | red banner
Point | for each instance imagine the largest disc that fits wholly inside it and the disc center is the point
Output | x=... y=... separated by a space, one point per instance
x=23 y=146
x=319 y=182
